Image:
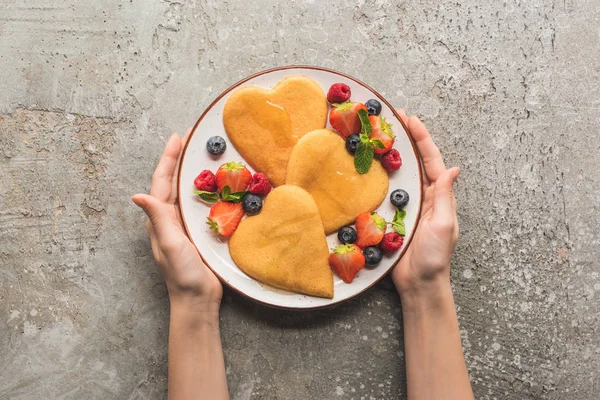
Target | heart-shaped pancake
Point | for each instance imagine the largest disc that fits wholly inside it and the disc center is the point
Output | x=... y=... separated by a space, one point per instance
x=264 y=125
x=321 y=164
x=285 y=246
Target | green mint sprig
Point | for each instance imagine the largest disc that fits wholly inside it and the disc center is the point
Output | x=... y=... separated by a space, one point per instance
x=235 y=197
x=398 y=222
x=363 y=158
x=226 y=195
x=209 y=197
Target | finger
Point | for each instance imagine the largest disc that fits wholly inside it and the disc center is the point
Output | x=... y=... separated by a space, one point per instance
x=427 y=199
x=432 y=158
x=403 y=115
x=444 y=211
x=163 y=175
x=187 y=135
x=426 y=181
x=404 y=119
x=184 y=140
x=149 y=227
x=456 y=226
x=156 y=212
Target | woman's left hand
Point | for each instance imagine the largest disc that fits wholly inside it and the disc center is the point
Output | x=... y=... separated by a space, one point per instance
x=189 y=281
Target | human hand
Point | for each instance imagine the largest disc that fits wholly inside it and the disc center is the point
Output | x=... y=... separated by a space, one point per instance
x=425 y=267
x=189 y=281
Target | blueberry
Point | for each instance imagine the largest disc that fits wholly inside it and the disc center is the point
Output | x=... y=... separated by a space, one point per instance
x=399 y=198
x=216 y=145
x=373 y=255
x=252 y=203
x=373 y=107
x=347 y=234
x=352 y=143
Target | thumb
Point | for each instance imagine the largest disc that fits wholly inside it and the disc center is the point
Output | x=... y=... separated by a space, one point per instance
x=443 y=196
x=151 y=206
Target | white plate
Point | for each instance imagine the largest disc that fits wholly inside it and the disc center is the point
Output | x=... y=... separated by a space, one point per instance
x=214 y=250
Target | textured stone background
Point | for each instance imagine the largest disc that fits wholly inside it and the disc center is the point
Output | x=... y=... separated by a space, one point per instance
x=89 y=91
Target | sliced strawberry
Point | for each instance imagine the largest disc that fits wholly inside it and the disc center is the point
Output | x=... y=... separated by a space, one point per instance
x=383 y=131
x=225 y=217
x=347 y=260
x=235 y=175
x=344 y=118
x=370 y=228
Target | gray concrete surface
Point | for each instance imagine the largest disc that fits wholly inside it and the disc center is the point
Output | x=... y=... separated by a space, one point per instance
x=89 y=91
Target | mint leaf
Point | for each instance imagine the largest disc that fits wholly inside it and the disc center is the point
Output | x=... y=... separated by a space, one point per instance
x=398 y=222
x=363 y=158
x=366 y=127
x=209 y=197
x=378 y=144
x=399 y=215
x=235 y=197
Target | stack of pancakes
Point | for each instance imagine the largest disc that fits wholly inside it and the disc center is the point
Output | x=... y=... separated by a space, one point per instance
x=281 y=132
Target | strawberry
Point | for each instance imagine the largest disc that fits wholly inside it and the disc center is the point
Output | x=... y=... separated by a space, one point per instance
x=370 y=228
x=235 y=175
x=344 y=118
x=347 y=260
x=225 y=217
x=383 y=131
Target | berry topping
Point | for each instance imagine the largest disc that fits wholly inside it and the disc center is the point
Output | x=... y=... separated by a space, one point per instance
x=373 y=255
x=224 y=218
x=383 y=131
x=252 y=203
x=235 y=175
x=391 y=242
x=338 y=93
x=344 y=118
x=260 y=184
x=216 y=145
x=399 y=198
x=391 y=160
x=206 y=181
x=373 y=106
x=347 y=260
x=352 y=143
x=347 y=234
x=370 y=229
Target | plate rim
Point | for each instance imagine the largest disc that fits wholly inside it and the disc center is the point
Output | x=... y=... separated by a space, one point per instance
x=335 y=72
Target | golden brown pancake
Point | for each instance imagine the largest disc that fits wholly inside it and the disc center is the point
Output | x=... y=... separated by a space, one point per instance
x=264 y=125
x=285 y=246
x=321 y=164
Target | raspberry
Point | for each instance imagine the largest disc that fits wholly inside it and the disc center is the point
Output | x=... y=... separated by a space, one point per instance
x=391 y=160
x=260 y=184
x=206 y=181
x=338 y=93
x=391 y=242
